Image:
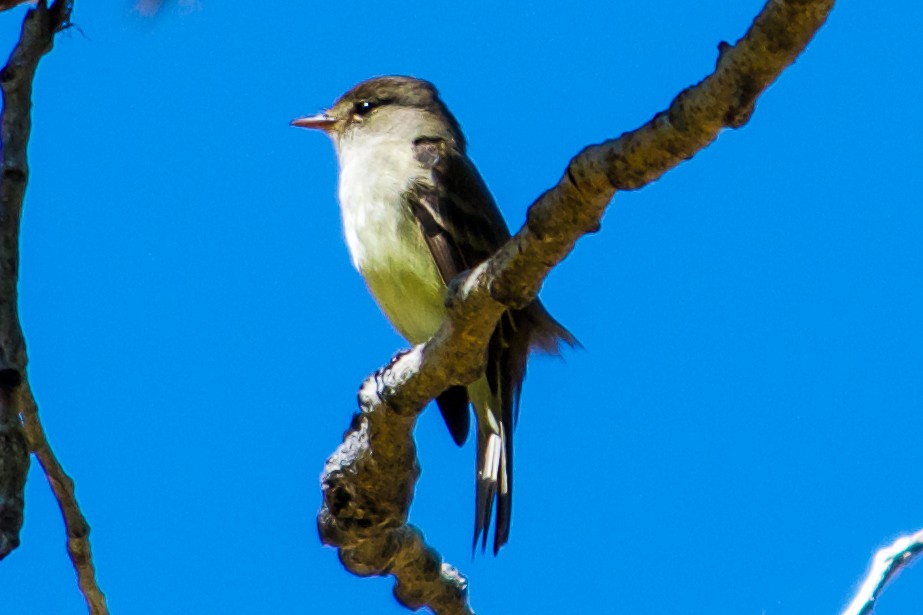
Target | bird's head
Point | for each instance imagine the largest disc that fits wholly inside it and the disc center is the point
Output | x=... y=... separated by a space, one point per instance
x=392 y=104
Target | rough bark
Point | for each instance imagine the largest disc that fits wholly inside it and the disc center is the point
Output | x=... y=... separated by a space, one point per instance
x=17 y=405
x=368 y=482
x=15 y=126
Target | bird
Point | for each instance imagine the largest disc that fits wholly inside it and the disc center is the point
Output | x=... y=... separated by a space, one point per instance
x=416 y=213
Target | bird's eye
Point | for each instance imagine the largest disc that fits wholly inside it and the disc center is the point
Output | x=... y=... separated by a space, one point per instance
x=363 y=107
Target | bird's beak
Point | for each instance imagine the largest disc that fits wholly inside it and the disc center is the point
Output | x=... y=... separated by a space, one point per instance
x=321 y=121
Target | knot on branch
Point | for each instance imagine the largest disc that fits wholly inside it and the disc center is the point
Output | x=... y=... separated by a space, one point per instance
x=738 y=116
x=15 y=174
x=744 y=93
x=742 y=89
x=10 y=379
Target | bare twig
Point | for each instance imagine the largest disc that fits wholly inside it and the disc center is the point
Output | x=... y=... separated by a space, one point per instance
x=368 y=482
x=37 y=37
x=888 y=561
x=75 y=524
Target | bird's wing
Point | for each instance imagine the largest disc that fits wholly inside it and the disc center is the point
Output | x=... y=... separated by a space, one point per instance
x=463 y=227
x=458 y=217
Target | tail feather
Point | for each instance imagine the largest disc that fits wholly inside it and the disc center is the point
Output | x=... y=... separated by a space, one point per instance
x=489 y=461
x=496 y=402
x=494 y=405
x=504 y=491
x=547 y=334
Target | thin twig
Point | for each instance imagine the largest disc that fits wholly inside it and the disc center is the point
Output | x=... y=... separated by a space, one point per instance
x=62 y=485
x=368 y=482
x=16 y=400
x=888 y=561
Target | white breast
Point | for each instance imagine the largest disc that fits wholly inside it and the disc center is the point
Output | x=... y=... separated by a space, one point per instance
x=373 y=176
x=384 y=238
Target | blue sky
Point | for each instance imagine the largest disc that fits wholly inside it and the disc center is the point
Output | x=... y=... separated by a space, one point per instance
x=739 y=435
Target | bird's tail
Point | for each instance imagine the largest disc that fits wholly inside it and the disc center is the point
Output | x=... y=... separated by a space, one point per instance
x=496 y=403
x=494 y=465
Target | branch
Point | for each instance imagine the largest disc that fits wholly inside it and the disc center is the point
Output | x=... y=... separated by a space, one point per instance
x=368 y=482
x=887 y=562
x=15 y=124
x=16 y=400
x=75 y=524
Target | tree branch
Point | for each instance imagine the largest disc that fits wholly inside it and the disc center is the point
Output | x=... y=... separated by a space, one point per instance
x=62 y=485
x=16 y=400
x=368 y=482
x=887 y=562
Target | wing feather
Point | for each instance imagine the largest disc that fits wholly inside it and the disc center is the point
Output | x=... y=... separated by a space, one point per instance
x=462 y=227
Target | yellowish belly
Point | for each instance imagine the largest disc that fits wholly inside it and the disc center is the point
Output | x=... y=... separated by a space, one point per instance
x=411 y=295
